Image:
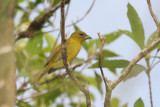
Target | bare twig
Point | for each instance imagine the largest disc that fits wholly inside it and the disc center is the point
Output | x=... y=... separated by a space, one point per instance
x=100 y=54
x=106 y=81
x=149 y=79
x=79 y=20
x=38 y=23
x=154 y=18
x=22 y=87
x=128 y=69
x=84 y=88
x=152 y=13
x=150 y=89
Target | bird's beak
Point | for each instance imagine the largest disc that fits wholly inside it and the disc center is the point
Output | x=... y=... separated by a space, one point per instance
x=87 y=37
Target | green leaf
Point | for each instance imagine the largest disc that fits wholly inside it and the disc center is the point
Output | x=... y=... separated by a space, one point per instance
x=76 y=28
x=20 y=45
x=137 y=69
x=126 y=105
x=23 y=104
x=48 y=98
x=19 y=1
x=139 y=103
x=112 y=36
x=59 y=105
x=115 y=102
x=90 y=47
x=92 y=96
x=111 y=64
x=127 y=33
x=34 y=45
x=136 y=26
x=77 y=60
x=99 y=83
x=50 y=41
x=107 y=53
x=82 y=104
x=56 y=2
x=151 y=39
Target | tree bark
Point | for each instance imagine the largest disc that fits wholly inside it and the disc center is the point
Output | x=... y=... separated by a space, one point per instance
x=7 y=57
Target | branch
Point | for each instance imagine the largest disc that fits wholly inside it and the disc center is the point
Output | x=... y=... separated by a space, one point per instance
x=84 y=88
x=100 y=55
x=142 y=54
x=83 y=17
x=108 y=89
x=152 y=13
x=37 y=24
x=149 y=81
x=154 y=18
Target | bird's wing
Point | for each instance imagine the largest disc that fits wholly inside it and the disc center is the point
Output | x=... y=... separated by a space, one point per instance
x=53 y=54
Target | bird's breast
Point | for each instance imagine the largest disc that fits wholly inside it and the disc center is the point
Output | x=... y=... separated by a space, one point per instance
x=73 y=48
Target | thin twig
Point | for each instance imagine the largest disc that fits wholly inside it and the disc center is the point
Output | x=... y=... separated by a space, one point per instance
x=154 y=18
x=149 y=80
x=150 y=89
x=152 y=13
x=79 y=20
x=84 y=88
x=155 y=64
x=154 y=57
x=22 y=87
x=100 y=55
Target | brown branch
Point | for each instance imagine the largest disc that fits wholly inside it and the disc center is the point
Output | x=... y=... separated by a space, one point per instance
x=22 y=87
x=37 y=24
x=152 y=13
x=84 y=88
x=128 y=69
x=100 y=55
x=106 y=81
x=150 y=90
x=108 y=97
x=154 y=18
x=149 y=80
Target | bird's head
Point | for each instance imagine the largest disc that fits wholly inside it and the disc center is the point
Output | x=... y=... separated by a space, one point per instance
x=80 y=35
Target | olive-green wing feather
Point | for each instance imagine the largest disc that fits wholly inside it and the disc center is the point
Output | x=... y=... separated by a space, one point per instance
x=53 y=54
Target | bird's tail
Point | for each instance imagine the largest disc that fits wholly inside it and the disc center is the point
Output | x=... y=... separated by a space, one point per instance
x=37 y=77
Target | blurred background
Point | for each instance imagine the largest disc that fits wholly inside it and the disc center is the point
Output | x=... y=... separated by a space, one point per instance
x=106 y=16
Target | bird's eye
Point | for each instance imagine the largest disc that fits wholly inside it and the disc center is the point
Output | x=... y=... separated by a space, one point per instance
x=81 y=34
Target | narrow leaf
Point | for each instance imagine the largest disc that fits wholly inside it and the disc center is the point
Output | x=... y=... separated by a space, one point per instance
x=50 y=41
x=76 y=28
x=108 y=53
x=136 y=26
x=139 y=103
x=126 y=105
x=137 y=69
x=34 y=45
x=112 y=36
x=115 y=102
x=151 y=39
x=111 y=64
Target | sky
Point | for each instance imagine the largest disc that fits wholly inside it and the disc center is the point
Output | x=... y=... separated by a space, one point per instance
x=108 y=16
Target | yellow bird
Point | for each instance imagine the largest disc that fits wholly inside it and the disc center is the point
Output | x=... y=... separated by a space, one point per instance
x=55 y=61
